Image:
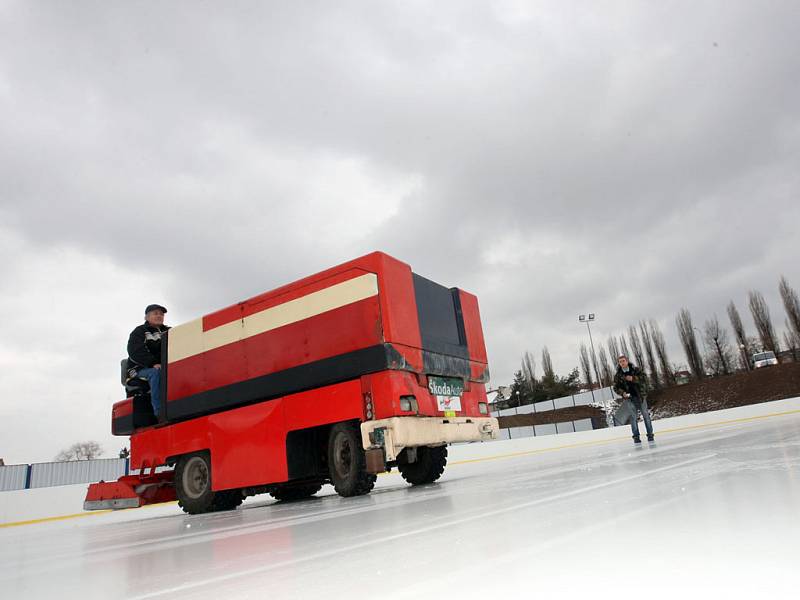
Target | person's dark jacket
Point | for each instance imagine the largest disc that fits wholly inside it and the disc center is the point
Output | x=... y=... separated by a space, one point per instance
x=144 y=345
x=636 y=388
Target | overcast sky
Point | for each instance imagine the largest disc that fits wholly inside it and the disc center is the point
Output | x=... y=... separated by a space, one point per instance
x=554 y=158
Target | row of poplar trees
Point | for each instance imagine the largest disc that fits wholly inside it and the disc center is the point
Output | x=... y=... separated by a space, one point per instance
x=645 y=344
x=529 y=387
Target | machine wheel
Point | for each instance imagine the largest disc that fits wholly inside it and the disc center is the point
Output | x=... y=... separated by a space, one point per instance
x=428 y=467
x=193 y=484
x=347 y=462
x=289 y=493
x=227 y=500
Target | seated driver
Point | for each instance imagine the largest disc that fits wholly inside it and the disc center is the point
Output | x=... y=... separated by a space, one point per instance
x=144 y=351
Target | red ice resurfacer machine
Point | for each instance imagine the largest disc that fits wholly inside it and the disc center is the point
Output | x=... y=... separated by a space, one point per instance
x=332 y=379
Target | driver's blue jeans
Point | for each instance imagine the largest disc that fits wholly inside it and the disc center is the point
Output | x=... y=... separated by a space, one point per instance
x=153 y=377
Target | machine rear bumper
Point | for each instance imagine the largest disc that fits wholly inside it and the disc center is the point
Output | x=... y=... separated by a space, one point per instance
x=396 y=433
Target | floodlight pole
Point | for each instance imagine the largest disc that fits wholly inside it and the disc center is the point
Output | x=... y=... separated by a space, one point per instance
x=587 y=319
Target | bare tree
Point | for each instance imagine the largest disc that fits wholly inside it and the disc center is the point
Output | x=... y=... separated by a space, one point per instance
x=623 y=346
x=754 y=343
x=547 y=366
x=528 y=367
x=652 y=365
x=745 y=351
x=605 y=369
x=636 y=346
x=529 y=373
x=792 y=305
x=613 y=348
x=80 y=451
x=586 y=366
x=763 y=321
x=689 y=343
x=661 y=351
x=719 y=356
x=792 y=341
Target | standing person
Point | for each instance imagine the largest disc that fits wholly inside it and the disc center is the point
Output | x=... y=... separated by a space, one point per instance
x=629 y=382
x=144 y=351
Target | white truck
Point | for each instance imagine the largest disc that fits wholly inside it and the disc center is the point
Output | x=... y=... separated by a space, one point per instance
x=764 y=359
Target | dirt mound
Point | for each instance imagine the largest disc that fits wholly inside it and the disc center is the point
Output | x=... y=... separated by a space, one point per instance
x=728 y=391
x=572 y=413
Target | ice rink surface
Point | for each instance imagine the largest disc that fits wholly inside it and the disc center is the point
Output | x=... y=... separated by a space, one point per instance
x=703 y=513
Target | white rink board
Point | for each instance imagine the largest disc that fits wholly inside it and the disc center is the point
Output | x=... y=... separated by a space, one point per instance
x=567 y=427
x=519 y=432
x=546 y=429
x=41 y=503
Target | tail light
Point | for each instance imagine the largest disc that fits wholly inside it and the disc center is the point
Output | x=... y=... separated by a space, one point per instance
x=368 y=406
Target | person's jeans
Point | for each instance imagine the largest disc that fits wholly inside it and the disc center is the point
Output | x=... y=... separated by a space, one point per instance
x=153 y=377
x=635 y=418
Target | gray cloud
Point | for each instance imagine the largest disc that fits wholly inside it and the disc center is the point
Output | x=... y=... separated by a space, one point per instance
x=550 y=158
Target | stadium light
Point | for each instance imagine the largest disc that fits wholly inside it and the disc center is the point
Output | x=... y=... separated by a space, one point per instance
x=588 y=318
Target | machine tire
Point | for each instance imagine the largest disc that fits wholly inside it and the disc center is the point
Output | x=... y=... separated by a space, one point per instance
x=347 y=462
x=428 y=467
x=227 y=500
x=290 y=493
x=193 y=483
